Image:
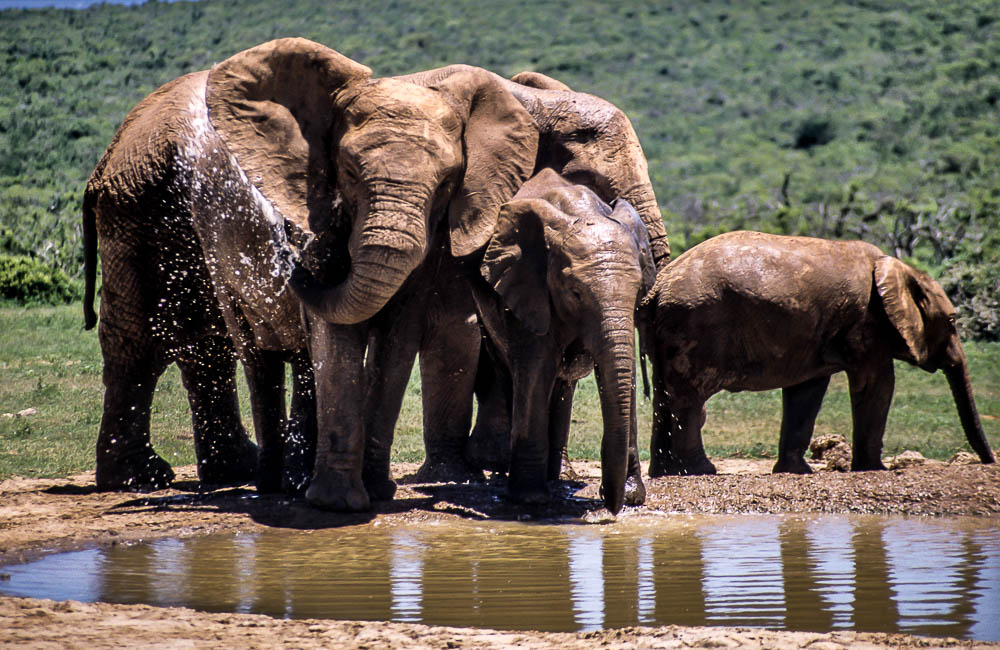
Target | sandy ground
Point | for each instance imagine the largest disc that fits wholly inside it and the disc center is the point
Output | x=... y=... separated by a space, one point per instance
x=38 y=516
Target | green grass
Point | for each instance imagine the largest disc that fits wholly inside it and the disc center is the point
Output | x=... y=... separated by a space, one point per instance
x=48 y=363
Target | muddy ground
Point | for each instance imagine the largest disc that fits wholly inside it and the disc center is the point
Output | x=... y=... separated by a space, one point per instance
x=39 y=515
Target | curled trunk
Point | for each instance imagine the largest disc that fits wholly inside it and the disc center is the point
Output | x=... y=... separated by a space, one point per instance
x=387 y=249
x=961 y=390
x=615 y=381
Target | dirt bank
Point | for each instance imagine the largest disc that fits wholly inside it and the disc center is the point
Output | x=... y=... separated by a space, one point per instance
x=37 y=515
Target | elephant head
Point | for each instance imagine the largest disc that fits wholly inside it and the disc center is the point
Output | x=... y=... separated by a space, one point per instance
x=311 y=130
x=919 y=310
x=587 y=140
x=579 y=279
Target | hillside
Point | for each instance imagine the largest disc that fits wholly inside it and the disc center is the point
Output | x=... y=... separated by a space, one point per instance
x=877 y=120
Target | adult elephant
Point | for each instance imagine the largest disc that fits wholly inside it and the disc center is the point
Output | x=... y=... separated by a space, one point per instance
x=287 y=142
x=588 y=141
x=791 y=312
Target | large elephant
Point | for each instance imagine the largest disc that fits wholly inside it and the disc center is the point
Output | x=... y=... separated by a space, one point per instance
x=561 y=278
x=589 y=142
x=280 y=144
x=752 y=311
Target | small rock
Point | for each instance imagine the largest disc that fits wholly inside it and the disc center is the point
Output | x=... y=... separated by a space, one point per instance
x=835 y=450
x=906 y=459
x=823 y=443
x=964 y=458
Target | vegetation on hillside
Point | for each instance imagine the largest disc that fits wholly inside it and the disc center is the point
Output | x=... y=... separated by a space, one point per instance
x=877 y=120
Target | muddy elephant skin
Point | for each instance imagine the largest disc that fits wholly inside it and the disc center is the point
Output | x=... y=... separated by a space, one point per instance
x=291 y=150
x=561 y=278
x=752 y=311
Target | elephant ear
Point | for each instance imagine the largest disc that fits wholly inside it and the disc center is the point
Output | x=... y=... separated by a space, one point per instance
x=273 y=108
x=501 y=143
x=517 y=259
x=539 y=80
x=623 y=212
x=902 y=295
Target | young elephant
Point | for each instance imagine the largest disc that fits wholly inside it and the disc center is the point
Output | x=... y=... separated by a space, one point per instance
x=752 y=311
x=563 y=274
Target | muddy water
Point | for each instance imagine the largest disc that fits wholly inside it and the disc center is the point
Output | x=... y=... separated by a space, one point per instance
x=938 y=577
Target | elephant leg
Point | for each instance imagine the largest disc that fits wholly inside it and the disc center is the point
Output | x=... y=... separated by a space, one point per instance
x=799 y=407
x=560 y=416
x=871 y=395
x=449 y=356
x=224 y=452
x=265 y=373
x=125 y=456
x=678 y=416
x=534 y=377
x=391 y=353
x=488 y=448
x=300 y=434
x=338 y=354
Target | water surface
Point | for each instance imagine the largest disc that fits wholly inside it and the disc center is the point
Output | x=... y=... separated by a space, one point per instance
x=929 y=576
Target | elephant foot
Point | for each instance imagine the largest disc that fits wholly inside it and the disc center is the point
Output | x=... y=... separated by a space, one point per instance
x=147 y=475
x=221 y=469
x=635 y=491
x=535 y=496
x=528 y=490
x=673 y=467
x=378 y=484
x=796 y=465
x=867 y=466
x=331 y=490
x=448 y=470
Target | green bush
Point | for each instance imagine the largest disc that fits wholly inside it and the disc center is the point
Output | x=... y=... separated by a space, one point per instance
x=28 y=281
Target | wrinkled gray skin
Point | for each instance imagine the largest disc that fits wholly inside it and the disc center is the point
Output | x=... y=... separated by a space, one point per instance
x=751 y=311
x=276 y=145
x=589 y=142
x=561 y=278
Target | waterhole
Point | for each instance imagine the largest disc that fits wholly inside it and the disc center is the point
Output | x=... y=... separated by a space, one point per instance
x=938 y=577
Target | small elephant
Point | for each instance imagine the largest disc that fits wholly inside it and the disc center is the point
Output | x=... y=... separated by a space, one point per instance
x=753 y=311
x=561 y=278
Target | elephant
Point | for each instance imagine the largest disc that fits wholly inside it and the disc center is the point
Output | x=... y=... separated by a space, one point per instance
x=561 y=278
x=589 y=142
x=755 y=311
x=157 y=300
x=291 y=150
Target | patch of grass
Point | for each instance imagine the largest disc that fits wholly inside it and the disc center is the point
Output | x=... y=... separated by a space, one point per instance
x=49 y=364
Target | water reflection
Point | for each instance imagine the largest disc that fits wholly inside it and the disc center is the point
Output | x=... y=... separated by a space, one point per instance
x=926 y=576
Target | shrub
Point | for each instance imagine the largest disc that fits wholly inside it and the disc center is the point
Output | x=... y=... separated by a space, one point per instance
x=27 y=281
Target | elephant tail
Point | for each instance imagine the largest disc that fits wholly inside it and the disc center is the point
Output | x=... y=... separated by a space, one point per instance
x=89 y=259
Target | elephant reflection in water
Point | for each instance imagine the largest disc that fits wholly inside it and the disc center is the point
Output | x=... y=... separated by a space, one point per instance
x=803 y=573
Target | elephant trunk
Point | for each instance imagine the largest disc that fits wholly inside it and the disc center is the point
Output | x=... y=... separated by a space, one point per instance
x=615 y=369
x=389 y=246
x=961 y=390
